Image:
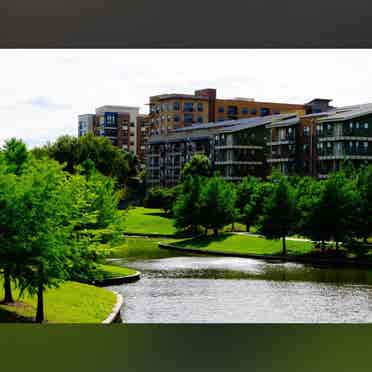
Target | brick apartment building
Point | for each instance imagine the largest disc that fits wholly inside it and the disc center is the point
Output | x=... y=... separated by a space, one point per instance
x=122 y=125
x=173 y=111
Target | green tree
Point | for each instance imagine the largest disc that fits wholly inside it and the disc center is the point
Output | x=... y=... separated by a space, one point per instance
x=161 y=198
x=198 y=165
x=277 y=219
x=54 y=217
x=16 y=155
x=327 y=209
x=14 y=159
x=186 y=210
x=217 y=204
x=364 y=211
x=108 y=159
x=247 y=193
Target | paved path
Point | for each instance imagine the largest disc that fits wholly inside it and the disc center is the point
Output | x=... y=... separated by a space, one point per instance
x=260 y=236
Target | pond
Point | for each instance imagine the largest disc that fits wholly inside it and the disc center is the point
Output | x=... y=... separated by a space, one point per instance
x=206 y=289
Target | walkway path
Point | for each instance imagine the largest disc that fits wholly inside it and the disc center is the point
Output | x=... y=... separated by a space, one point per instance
x=261 y=236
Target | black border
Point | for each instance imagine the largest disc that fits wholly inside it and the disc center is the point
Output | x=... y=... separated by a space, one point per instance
x=185 y=24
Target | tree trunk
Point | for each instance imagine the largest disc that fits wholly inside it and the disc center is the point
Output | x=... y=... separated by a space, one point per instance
x=232 y=226
x=337 y=246
x=8 y=297
x=40 y=304
x=247 y=226
x=206 y=231
x=284 y=247
x=215 y=231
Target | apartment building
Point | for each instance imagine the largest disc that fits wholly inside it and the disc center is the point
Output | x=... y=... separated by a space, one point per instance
x=122 y=125
x=316 y=144
x=236 y=148
x=143 y=132
x=311 y=145
x=173 y=111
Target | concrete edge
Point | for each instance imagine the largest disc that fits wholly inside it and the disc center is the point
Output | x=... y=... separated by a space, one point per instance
x=115 y=313
x=118 y=280
x=309 y=260
x=149 y=235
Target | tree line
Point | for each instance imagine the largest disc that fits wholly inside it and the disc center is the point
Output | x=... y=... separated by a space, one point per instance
x=337 y=209
x=50 y=219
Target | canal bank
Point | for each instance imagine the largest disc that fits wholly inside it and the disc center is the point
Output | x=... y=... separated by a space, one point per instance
x=307 y=259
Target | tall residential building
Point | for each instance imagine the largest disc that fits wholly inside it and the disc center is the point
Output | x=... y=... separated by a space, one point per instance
x=143 y=132
x=120 y=124
x=172 y=111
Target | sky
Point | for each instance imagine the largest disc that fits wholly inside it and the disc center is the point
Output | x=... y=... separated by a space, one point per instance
x=43 y=91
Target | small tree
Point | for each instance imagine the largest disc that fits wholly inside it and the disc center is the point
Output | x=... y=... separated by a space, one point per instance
x=217 y=204
x=161 y=198
x=186 y=209
x=198 y=165
x=247 y=195
x=364 y=210
x=277 y=219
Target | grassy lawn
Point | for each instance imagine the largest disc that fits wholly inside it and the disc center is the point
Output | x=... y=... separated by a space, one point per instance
x=110 y=271
x=141 y=248
x=148 y=221
x=70 y=303
x=245 y=244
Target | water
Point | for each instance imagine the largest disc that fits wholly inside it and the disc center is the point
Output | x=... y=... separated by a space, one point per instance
x=236 y=290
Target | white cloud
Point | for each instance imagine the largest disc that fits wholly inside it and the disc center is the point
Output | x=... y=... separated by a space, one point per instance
x=43 y=91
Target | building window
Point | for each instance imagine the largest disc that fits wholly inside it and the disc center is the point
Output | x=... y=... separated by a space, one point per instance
x=162 y=107
x=351 y=125
x=188 y=118
x=245 y=110
x=176 y=118
x=254 y=111
x=221 y=109
x=221 y=119
x=357 y=125
x=365 y=125
x=176 y=106
x=232 y=110
x=264 y=111
x=200 y=119
x=188 y=107
x=200 y=106
x=306 y=131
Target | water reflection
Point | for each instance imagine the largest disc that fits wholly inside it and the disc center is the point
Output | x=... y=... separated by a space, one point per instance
x=185 y=289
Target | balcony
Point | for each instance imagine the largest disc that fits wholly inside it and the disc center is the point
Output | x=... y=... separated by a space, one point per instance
x=282 y=140
x=359 y=153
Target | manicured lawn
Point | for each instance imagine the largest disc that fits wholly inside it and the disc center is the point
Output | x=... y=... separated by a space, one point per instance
x=245 y=244
x=111 y=271
x=148 y=221
x=141 y=248
x=70 y=303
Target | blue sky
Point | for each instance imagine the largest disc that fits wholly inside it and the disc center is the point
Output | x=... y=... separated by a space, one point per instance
x=43 y=91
